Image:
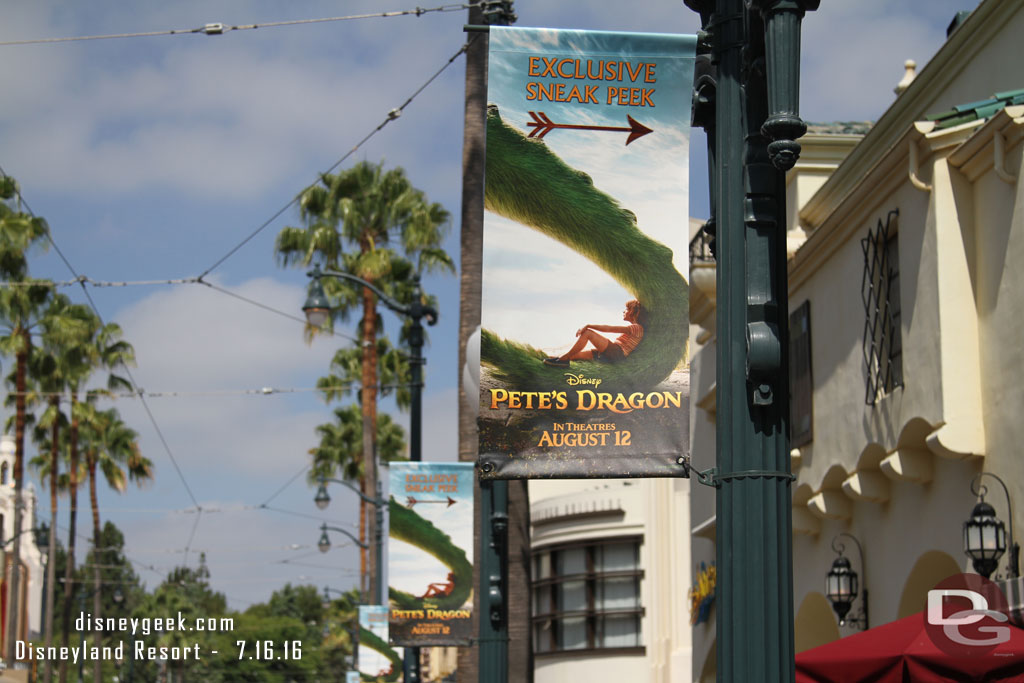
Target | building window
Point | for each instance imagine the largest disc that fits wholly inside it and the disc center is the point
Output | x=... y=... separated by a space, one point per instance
x=586 y=596
x=801 y=380
x=880 y=292
x=3 y=473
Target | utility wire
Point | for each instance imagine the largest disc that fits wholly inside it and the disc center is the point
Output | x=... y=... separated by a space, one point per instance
x=192 y=535
x=305 y=516
x=217 y=28
x=83 y=281
x=135 y=563
x=176 y=281
x=391 y=116
x=97 y=283
x=253 y=302
x=262 y=391
x=131 y=378
x=285 y=485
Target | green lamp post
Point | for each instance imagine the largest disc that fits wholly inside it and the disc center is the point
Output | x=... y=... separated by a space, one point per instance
x=747 y=99
x=317 y=308
x=323 y=499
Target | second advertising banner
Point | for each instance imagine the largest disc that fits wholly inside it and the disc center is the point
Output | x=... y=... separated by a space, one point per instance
x=430 y=568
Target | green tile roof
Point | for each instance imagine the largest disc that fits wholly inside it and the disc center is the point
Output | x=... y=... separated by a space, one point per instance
x=976 y=111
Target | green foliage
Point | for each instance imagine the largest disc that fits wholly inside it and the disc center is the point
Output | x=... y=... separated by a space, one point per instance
x=341 y=441
x=373 y=224
x=528 y=183
x=116 y=574
x=345 y=378
x=408 y=526
x=319 y=633
x=20 y=231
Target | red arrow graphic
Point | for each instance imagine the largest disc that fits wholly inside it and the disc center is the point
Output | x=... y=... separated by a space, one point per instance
x=410 y=501
x=542 y=125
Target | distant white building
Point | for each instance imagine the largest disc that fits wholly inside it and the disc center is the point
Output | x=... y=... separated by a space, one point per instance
x=32 y=562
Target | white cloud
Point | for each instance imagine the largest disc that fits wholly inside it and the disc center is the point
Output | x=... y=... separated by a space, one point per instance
x=241 y=121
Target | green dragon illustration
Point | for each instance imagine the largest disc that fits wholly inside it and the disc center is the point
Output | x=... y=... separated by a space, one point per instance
x=408 y=526
x=528 y=183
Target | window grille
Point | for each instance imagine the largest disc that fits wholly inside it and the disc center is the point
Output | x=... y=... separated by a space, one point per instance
x=880 y=292
x=801 y=379
x=586 y=596
x=702 y=247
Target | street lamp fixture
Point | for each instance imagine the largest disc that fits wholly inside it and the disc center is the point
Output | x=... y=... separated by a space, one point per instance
x=322 y=499
x=317 y=309
x=842 y=585
x=324 y=544
x=985 y=539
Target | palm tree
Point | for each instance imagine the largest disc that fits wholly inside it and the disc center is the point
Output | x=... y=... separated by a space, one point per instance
x=51 y=442
x=346 y=372
x=49 y=364
x=89 y=346
x=351 y=221
x=20 y=304
x=339 y=453
x=111 y=448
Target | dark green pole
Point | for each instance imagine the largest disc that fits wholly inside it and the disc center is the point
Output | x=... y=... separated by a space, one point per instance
x=493 y=639
x=411 y=659
x=493 y=617
x=754 y=53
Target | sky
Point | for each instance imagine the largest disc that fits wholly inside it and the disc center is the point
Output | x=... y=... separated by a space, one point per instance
x=161 y=158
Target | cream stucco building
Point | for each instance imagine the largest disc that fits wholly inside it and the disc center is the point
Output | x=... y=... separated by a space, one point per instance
x=906 y=301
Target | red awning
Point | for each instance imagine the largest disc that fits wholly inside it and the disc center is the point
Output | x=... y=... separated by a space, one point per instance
x=902 y=652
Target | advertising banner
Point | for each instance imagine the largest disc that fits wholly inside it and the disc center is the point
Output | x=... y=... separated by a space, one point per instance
x=430 y=551
x=377 y=660
x=585 y=313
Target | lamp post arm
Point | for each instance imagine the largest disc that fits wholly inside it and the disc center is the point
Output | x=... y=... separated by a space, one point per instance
x=388 y=301
x=364 y=546
x=378 y=502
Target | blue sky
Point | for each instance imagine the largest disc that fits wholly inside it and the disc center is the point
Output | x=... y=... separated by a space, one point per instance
x=152 y=158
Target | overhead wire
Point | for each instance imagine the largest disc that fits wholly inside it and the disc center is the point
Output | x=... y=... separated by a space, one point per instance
x=284 y=486
x=127 y=370
x=175 y=281
x=83 y=281
x=218 y=28
x=198 y=393
x=265 y=307
x=135 y=563
x=391 y=116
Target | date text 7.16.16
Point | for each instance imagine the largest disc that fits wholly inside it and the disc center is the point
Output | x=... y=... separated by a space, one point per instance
x=268 y=650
